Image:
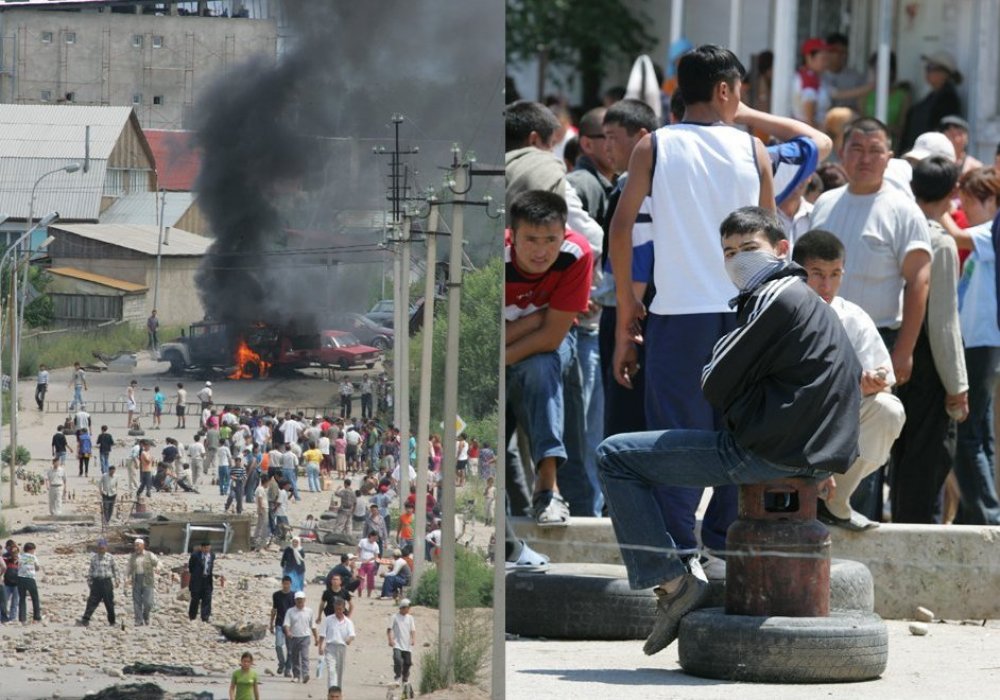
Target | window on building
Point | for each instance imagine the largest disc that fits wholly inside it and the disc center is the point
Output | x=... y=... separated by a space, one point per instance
x=46 y=37
x=137 y=41
x=70 y=37
x=137 y=98
x=157 y=99
x=157 y=41
x=46 y=95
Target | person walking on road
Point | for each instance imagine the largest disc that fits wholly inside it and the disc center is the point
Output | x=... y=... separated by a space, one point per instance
x=402 y=636
x=56 y=481
x=201 y=566
x=335 y=634
x=282 y=601
x=41 y=386
x=79 y=384
x=299 y=628
x=109 y=493
x=101 y=579
x=141 y=570
x=152 y=330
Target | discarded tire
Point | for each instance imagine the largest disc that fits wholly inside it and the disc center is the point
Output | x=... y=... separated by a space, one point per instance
x=339 y=538
x=846 y=646
x=594 y=601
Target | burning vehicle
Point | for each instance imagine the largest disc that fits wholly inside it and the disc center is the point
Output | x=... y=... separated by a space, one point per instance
x=260 y=349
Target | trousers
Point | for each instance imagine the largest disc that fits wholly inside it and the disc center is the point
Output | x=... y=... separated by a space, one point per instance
x=102 y=590
x=298 y=656
x=335 y=654
x=401 y=663
x=201 y=596
x=142 y=599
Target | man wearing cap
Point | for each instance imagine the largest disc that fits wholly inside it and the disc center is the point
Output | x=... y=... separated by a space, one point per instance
x=201 y=566
x=299 y=627
x=205 y=396
x=109 y=493
x=397 y=578
x=140 y=571
x=957 y=131
x=402 y=636
x=933 y=143
x=810 y=97
x=101 y=578
x=336 y=632
x=942 y=74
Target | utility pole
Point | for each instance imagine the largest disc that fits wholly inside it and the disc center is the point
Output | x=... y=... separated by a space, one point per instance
x=400 y=225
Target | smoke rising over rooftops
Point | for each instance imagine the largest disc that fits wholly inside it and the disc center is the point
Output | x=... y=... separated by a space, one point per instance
x=279 y=173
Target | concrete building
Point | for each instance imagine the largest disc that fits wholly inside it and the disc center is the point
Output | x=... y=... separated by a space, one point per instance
x=122 y=258
x=966 y=28
x=158 y=64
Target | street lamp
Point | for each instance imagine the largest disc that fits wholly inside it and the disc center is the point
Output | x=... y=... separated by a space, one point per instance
x=15 y=342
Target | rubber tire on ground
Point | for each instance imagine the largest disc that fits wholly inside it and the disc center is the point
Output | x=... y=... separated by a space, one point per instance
x=338 y=538
x=594 y=601
x=846 y=646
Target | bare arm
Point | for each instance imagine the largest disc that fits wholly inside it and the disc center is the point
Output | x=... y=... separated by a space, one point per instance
x=962 y=238
x=630 y=309
x=515 y=330
x=546 y=339
x=766 y=200
x=917 y=273
x=783 y=128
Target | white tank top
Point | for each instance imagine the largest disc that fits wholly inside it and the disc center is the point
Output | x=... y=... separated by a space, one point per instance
x=702 y=173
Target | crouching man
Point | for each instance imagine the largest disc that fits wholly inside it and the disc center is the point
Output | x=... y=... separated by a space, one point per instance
x=788 y=383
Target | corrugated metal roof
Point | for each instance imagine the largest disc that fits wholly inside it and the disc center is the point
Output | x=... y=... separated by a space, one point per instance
x=142 y=239
x=177 y=160
x=36 y=139
x=97 y=279
x=57 y=131
x=143 y=207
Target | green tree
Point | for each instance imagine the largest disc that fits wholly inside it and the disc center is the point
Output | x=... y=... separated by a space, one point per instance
x=586 y=36
x=478 y=353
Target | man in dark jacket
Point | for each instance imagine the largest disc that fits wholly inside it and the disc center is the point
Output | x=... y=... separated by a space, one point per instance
x=201 y=566
x=787 y=381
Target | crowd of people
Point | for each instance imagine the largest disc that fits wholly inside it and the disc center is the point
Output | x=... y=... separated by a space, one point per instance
x=727 y=296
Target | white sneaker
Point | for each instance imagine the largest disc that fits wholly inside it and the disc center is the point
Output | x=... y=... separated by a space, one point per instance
x=714 y=568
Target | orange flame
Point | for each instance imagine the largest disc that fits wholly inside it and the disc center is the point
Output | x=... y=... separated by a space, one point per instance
x=249 y=365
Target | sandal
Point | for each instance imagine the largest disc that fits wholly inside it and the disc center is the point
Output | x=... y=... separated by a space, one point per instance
x=527 y=559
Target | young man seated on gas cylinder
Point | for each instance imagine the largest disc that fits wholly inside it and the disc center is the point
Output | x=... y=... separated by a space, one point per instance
x=787 y=381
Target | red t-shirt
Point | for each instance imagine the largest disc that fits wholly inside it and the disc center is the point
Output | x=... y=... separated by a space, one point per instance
x=564 y=287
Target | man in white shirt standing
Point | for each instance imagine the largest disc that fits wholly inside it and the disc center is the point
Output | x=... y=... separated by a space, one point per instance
x=205 y=396
x=336 y=632
x=299 y=627
x=402 y=636
x=887 y=258
x=367 y=388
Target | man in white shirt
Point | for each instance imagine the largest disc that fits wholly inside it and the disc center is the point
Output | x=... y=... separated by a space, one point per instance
x=887 y=259
x=260 y=500
x=353 y=438
x=336 y=632
x=181 y=406
x=402 y=636
x=205 y=396
x=109 y=493
x=346 y=398
x=290 y=470
x=882 y=414
x=299 y=627
x=291 y=429
x=367 y=388
x=196 y=453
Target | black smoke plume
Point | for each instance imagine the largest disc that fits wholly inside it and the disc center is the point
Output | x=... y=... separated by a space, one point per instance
x=287 y=149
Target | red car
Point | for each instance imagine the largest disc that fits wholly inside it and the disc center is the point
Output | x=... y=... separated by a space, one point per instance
x=328 y=349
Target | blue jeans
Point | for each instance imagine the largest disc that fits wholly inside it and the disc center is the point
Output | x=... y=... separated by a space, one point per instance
x=632 y=465
x=974 y=454
x=392 y=584
x=535 y=402
x=583 y=427
x=77 y=397
x=312 y=474
x=281 y=647
x=291 y=476
x=14 y=599
x=677 y=348
x=105 y=461
x=223 y=479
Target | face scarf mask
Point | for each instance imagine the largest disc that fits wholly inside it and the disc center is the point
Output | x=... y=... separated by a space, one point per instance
x=750 y=266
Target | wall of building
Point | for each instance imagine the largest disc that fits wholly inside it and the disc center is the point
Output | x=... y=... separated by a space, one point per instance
x=134 y=308
x=110 y=59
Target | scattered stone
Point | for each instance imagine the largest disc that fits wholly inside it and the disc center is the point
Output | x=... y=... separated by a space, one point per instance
x=924 y=615
x=918 y=629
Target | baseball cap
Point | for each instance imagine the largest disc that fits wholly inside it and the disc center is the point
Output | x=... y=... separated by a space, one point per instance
x=397 y=553
x=931 y=143
x=404 y=603
x=945 y=60
x=953 y=120
x=300 y=594
x=811 y=46
x=352 y=556
x=139 y=540
x=208 y=383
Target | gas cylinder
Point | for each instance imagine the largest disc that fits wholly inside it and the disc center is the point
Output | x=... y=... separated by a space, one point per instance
x=779 y=553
